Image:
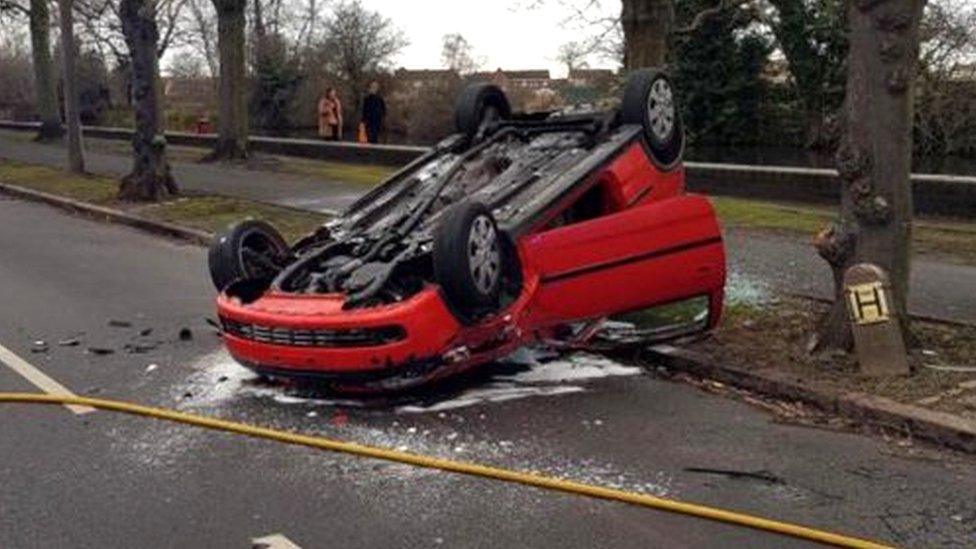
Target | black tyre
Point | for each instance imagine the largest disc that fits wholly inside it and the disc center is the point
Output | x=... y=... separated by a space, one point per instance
x=479 y=104
x=650 y=100
x=468 y=256
x=249 y=250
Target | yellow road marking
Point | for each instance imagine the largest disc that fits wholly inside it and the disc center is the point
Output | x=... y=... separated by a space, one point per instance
x=40 y=380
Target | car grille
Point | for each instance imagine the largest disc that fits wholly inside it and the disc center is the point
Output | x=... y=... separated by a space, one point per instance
x=351 y=337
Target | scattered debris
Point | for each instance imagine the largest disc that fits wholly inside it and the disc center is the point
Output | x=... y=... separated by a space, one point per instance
x=70 y=342
x=151 y=367
x=340 y=419
x=185 y=334
x=145 y=332
x=101 y=350
x=762 y=475
x=140 y=348
x=115 y=323
x=39 y=346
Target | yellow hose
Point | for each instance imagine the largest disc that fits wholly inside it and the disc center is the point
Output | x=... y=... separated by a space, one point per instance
x=473 y=469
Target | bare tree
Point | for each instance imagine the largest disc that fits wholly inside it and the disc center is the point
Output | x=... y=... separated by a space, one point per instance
x=17 y=91
x=45 y=92
x=232 y=123
x=602 y=31
x=360 y=42
x=69 y=52
x=573 y=55
x=874 y=159
x=150 y=178
x=457 y=54
x=945 y=120
x=201 y=34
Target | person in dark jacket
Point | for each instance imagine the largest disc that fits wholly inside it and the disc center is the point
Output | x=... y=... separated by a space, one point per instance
x=374 y=110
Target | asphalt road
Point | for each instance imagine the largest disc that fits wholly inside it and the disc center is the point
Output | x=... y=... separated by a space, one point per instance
x=105 y=480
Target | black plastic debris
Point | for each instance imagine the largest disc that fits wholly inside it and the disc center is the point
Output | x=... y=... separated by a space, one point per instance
x=140 y=348
x=119 y=323
x=101 y=351
x=186 y=334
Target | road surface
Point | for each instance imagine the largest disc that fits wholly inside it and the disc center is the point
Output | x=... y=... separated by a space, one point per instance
x=106 y=480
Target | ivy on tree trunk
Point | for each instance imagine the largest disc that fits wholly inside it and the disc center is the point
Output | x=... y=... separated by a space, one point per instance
x=874 y=159
x=232 y=122
x=44 y=81
x=150 y=178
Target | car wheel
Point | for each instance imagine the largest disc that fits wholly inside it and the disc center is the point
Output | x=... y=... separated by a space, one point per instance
x=479 y=104
x=468 y=255
x=249 y=250
x=650 y=101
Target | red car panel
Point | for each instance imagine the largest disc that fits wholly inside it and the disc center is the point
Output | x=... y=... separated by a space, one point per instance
x=651 y=254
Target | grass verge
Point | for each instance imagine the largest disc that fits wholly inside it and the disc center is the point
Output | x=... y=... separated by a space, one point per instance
x=952 y=240
x=205 y=212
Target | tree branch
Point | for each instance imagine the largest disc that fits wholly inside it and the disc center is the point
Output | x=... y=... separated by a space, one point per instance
x=706 y=14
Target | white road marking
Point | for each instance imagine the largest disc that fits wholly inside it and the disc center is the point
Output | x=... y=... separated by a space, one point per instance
x=39 y=379
x=273 y=541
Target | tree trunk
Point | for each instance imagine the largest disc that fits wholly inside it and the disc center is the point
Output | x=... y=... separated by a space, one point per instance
x=150 y=178
x=45 y=92
x=232 y=122
x=647 y=27
x=76 y=158
x=874 y=159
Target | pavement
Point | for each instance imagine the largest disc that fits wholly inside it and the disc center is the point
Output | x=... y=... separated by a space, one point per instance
x=786 y=264
x=106 y=480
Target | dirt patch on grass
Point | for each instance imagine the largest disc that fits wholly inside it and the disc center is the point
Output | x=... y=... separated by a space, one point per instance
x=947 y=239
x=774 y=337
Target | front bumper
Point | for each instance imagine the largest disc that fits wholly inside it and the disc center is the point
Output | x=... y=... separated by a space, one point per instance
x=310 y=335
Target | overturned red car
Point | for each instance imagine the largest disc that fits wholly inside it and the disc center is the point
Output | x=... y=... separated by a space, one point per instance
x=516 y=229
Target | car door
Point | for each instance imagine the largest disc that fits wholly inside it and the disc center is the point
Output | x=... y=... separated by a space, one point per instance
x=657 y=253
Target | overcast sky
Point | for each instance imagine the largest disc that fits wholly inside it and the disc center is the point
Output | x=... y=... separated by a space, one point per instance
x=502 y=34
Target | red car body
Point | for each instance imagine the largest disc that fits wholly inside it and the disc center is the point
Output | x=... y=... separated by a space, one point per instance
x=652 y=244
